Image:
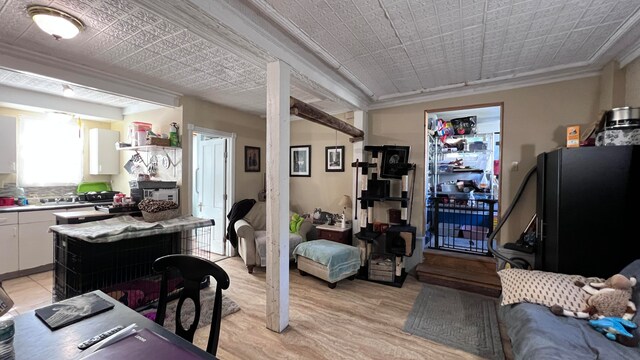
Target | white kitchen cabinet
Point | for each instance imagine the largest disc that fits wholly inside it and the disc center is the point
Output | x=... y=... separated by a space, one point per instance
x=35 y=240
x=103 y=156
x=8 y=145
x=8 y=242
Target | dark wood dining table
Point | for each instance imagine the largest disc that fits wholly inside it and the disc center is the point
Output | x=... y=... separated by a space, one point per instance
x=34 y=340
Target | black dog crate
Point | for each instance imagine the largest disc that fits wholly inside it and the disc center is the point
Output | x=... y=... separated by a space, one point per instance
x=123 y=269
x=81 y=266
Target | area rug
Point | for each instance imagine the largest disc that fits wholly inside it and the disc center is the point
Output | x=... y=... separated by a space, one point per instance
x=458 y=319
x=207 y=297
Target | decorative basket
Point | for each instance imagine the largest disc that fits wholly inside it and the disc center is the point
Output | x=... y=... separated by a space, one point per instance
x=159 y=141
x=161 y=215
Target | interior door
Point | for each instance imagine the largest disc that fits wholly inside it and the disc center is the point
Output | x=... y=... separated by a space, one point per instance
x=211 y=188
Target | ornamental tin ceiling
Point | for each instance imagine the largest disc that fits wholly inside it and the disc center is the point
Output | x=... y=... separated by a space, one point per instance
x=398 y=46
x=391 y=46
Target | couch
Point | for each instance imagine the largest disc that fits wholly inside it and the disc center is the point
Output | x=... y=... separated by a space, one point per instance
x=536 y=333
x=252 y=236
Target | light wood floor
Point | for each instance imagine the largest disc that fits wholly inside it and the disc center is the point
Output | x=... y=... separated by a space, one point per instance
x=356 y=320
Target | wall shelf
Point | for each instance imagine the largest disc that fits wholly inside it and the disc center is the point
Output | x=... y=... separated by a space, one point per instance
x=170 y=152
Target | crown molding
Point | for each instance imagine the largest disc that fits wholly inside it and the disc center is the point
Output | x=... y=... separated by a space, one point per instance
x=22 y=60
x=482 y=87
x=628 y=56
x=619 y=34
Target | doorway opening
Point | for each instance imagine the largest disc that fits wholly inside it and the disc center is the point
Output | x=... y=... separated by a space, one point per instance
x=212 y=184
x=462 y=177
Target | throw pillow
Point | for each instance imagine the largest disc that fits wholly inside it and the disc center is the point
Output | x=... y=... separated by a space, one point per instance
x=257 y=216
x=295 y=222
x=544 y=288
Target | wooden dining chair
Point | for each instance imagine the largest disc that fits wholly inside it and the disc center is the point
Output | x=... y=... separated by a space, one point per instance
x=193 y=270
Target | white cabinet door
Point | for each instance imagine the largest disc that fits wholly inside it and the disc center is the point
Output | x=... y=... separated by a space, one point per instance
x=8 y=145
x=103 y=156
x=8 y=248
x=36 y=245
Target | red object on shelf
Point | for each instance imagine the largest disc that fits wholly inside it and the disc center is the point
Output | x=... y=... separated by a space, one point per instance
x=7 y=201
x=496 y=167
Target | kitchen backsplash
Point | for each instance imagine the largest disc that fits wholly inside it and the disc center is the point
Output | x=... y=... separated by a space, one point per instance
x=41 y=191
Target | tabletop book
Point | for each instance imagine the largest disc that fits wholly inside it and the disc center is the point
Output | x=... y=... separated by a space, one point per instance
x=72 y=310
x=144 y=344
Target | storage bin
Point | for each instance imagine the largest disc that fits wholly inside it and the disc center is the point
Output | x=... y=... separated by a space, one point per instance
x=382 y=267
x=138 y=133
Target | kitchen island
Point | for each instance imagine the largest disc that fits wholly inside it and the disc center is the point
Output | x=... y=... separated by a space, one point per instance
x=79 y=217
x=116 y=255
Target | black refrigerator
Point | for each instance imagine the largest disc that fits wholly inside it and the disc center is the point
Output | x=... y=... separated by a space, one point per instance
x=588 y=210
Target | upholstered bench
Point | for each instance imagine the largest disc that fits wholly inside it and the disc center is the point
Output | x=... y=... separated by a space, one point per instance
x=327 y=260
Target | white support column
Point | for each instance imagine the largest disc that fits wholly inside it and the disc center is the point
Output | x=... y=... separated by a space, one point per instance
x=278 y=140
x=359 y=121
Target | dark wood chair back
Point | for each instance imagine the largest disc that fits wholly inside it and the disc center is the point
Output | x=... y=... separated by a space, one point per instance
x=193 y=270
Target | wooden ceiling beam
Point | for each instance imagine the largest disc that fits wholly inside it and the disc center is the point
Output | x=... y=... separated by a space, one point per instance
x=308 y=112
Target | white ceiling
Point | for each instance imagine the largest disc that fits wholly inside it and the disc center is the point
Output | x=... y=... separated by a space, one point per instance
x=127 y=40
x=54 y=87
x=385 y=48
x=396 y=47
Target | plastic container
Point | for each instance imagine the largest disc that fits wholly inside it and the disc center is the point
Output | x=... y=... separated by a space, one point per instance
x=7 y=331
x=7 y=201
x=139 y=133
x=86 y=187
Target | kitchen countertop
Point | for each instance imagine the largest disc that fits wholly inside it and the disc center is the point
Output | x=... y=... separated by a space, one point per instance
x=80 y=204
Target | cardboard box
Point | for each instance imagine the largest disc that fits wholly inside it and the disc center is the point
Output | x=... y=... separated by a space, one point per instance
x=573 y=136
x=474 y=232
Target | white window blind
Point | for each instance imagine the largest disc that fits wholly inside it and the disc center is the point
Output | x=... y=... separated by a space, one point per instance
x=50 y=152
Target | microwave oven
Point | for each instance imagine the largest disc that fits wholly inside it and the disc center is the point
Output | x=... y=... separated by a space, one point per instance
x=162 y=194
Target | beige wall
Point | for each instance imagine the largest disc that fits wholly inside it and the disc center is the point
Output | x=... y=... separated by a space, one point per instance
x=535 y=120
x=250 y=130
x=323 y=189
x=612 y=86
x=160 y=120
x=11 y=178
x=632 y=84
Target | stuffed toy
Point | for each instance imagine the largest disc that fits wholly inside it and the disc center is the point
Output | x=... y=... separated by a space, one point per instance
x=614 y=328
x=610 y=298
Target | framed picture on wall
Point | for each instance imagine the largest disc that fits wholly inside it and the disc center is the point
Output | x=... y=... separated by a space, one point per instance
x=300 y=160
x=394 y=161
x=251 y=159
x=334 y=159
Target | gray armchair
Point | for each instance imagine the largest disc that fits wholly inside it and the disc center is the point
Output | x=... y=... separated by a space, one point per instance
x=252 y=237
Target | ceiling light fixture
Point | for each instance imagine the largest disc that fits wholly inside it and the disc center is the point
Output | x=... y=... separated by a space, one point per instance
x=67 y=91
x=55 y=22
